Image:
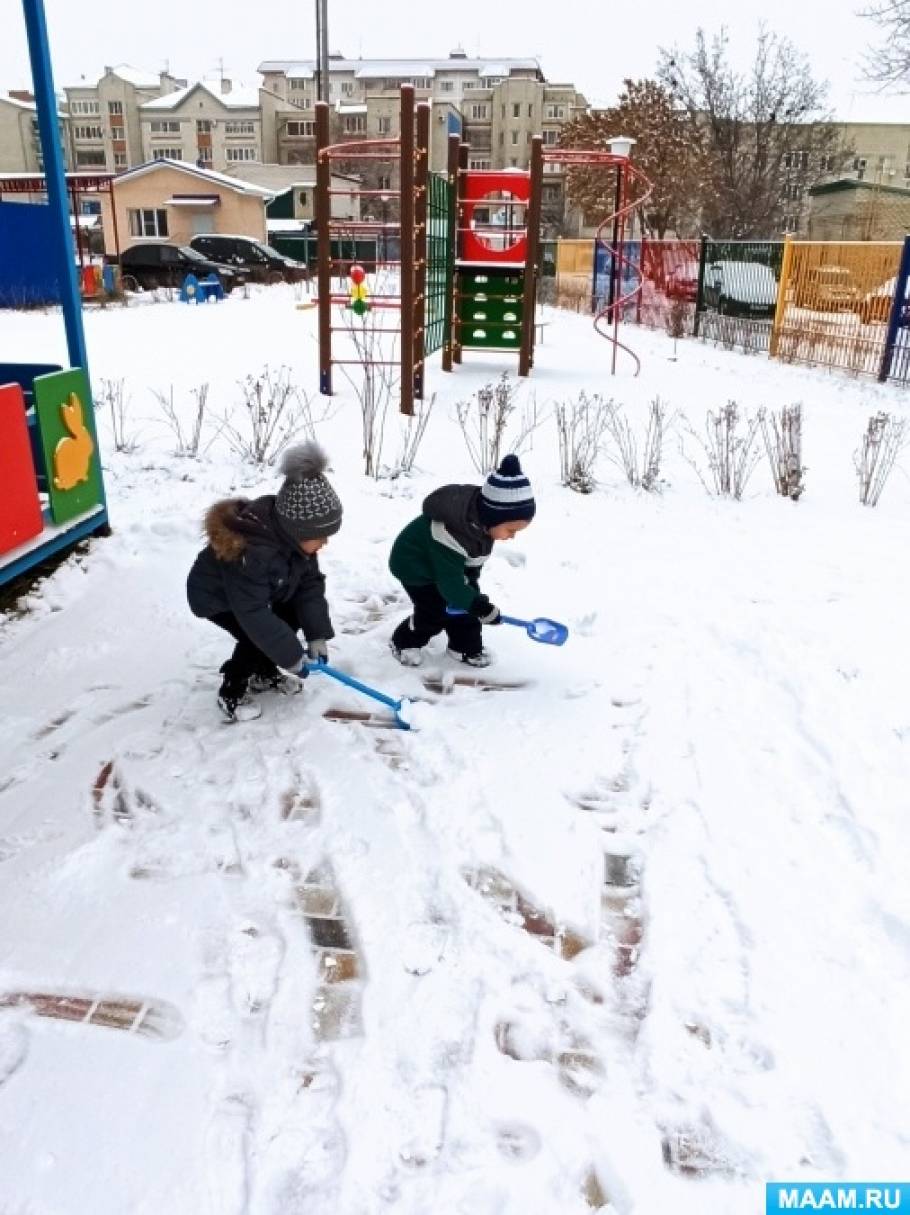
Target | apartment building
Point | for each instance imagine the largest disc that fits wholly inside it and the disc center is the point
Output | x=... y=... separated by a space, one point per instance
x=104 y=120
x=497 y=106
x=20 y=142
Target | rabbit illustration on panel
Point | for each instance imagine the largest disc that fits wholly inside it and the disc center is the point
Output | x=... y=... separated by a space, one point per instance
x=73 y=456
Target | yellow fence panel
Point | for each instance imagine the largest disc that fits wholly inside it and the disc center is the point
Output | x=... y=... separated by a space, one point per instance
x=834 y=302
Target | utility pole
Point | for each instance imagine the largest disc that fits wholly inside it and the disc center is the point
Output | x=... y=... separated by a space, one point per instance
x=322 y=50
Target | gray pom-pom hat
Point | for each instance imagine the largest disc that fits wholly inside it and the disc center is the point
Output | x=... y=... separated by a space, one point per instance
x=307 y=506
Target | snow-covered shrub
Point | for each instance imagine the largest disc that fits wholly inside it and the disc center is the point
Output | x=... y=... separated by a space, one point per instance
x=580 y=426
x=882 y=443
x=679 y=318
x=783 y=437
x=412 y=429
x=187 y=432
x=487 y=423
x=117 y=403
x=640 y=462
x=375 y=378
x=731 y=448
x=274 y=410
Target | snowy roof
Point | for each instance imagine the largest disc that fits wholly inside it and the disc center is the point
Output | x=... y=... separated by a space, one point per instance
x=235 y=183
x=364 y=69
x=136 y=77
x=28 y=105
x=346 y=108
x=241 y=98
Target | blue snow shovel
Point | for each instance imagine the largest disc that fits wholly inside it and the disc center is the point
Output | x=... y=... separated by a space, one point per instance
x=399 y=707
x=549 y=632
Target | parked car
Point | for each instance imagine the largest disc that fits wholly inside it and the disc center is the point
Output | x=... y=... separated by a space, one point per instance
x=826 y=289
x=261 y=263
x=160 y=265
x=876 y=305
x=682 y=283
x=747 y=289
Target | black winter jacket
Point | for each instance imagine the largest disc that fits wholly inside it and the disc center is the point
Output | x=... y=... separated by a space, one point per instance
x=249 y=565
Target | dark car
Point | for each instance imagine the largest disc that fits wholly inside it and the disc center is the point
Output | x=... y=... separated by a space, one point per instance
x=159 y=265
x=261 y=263
x=747 y=289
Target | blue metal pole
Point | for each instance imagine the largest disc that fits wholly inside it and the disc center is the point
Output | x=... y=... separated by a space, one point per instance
x=55 y=175
x=898 y=305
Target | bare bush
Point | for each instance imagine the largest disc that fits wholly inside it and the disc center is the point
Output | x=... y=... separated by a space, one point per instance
x=580 y=426
x=413 y=427
x=731 y=448
x=275 y=410
x=640 y=462
x=188 y=435
x=378 y=380
x=882 y=443
x=489 y=425
x=117 y=403
x=679 y=318
x=783 y=438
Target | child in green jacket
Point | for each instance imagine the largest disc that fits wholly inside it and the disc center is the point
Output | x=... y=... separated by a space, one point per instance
x=438 y=558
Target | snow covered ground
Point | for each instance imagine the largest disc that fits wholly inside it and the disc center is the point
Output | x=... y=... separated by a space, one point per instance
x=364 y=971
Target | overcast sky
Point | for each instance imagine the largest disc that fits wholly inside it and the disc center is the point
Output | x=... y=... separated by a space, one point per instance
x=575 y=40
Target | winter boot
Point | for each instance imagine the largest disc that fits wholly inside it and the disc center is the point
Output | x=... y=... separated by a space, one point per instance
x=235 y=701
x=407 y=658
x=276 y=681
x=482 y=658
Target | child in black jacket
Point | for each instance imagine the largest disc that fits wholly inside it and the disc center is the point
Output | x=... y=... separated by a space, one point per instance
x=258 y=578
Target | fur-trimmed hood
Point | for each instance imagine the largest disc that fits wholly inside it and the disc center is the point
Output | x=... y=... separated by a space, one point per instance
x=232 y=524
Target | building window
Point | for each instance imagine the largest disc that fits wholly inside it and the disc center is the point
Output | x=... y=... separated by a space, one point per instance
x=384 y=124
x=118 y=133
x=490 y=82
x=238 y=126
x=85 y=107
x=305 y=129
x=514 y=163
x=115 y=107
x=859 y=167
x=204 y=159
x=550 y=194
x=89 y=160
x=446 y=86
x=385 y=181
x=147 y=223
x=355 y=124
x=236 y=154
x=421 y=82
x=827 y=164
x=161 y=127
x=203 y=126
x=347 y=88
x=120 y=161
x=516 y=109
x=91 y=132
x=530 y=110
x=480 y=163
x=501 y=139
x=550 y=137
x=514 y=138
x=554 y=111
x=297 y=85
x=479 y=110
x=167 y=153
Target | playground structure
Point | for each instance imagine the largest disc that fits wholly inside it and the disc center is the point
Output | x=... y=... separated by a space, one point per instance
x=51 y=487
x=468 y=250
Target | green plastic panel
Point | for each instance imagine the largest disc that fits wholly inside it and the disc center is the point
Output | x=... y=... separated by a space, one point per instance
x=63 y=404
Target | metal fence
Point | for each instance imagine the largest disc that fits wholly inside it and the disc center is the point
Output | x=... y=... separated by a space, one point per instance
x=438 y=286
x=835 y=303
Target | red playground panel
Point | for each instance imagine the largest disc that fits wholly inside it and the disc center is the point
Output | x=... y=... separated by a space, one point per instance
x=477 y=188
x=20 y=518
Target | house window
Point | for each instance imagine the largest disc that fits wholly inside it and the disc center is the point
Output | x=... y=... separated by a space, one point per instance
x=239 y=126
x=550 y=137
x=297 y=85
x=161 y=127
x=85 y=107
x=355 y=124
x=244 y=153
x=554 y=111
x=514 y=138
x=490 y=82
x=90 y=160
x=120 y=161
x=115 y=107
x=530 y=110
x=446 y=86
x=147 y=223
x=91 y=132
x=516 y=109
x=480 y=163
x=347 y=88
x=421 y=82
x=302 y=198
x=550 y=194
x=859 y=167
x=479 y=111
x=305 y=129
x=167 y=153
x=827 y=163
x=385 y=181
x=118 y=133
x=384 y=125
x=203 y=126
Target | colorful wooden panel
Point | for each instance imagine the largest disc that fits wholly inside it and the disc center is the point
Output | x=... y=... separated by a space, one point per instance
x=20 y=507
x=63 y=403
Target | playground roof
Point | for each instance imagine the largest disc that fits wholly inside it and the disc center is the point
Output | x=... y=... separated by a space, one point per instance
x=36 y=183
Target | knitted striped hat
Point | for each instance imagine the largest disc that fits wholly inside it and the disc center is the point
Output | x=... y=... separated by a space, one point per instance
x=506 y=495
